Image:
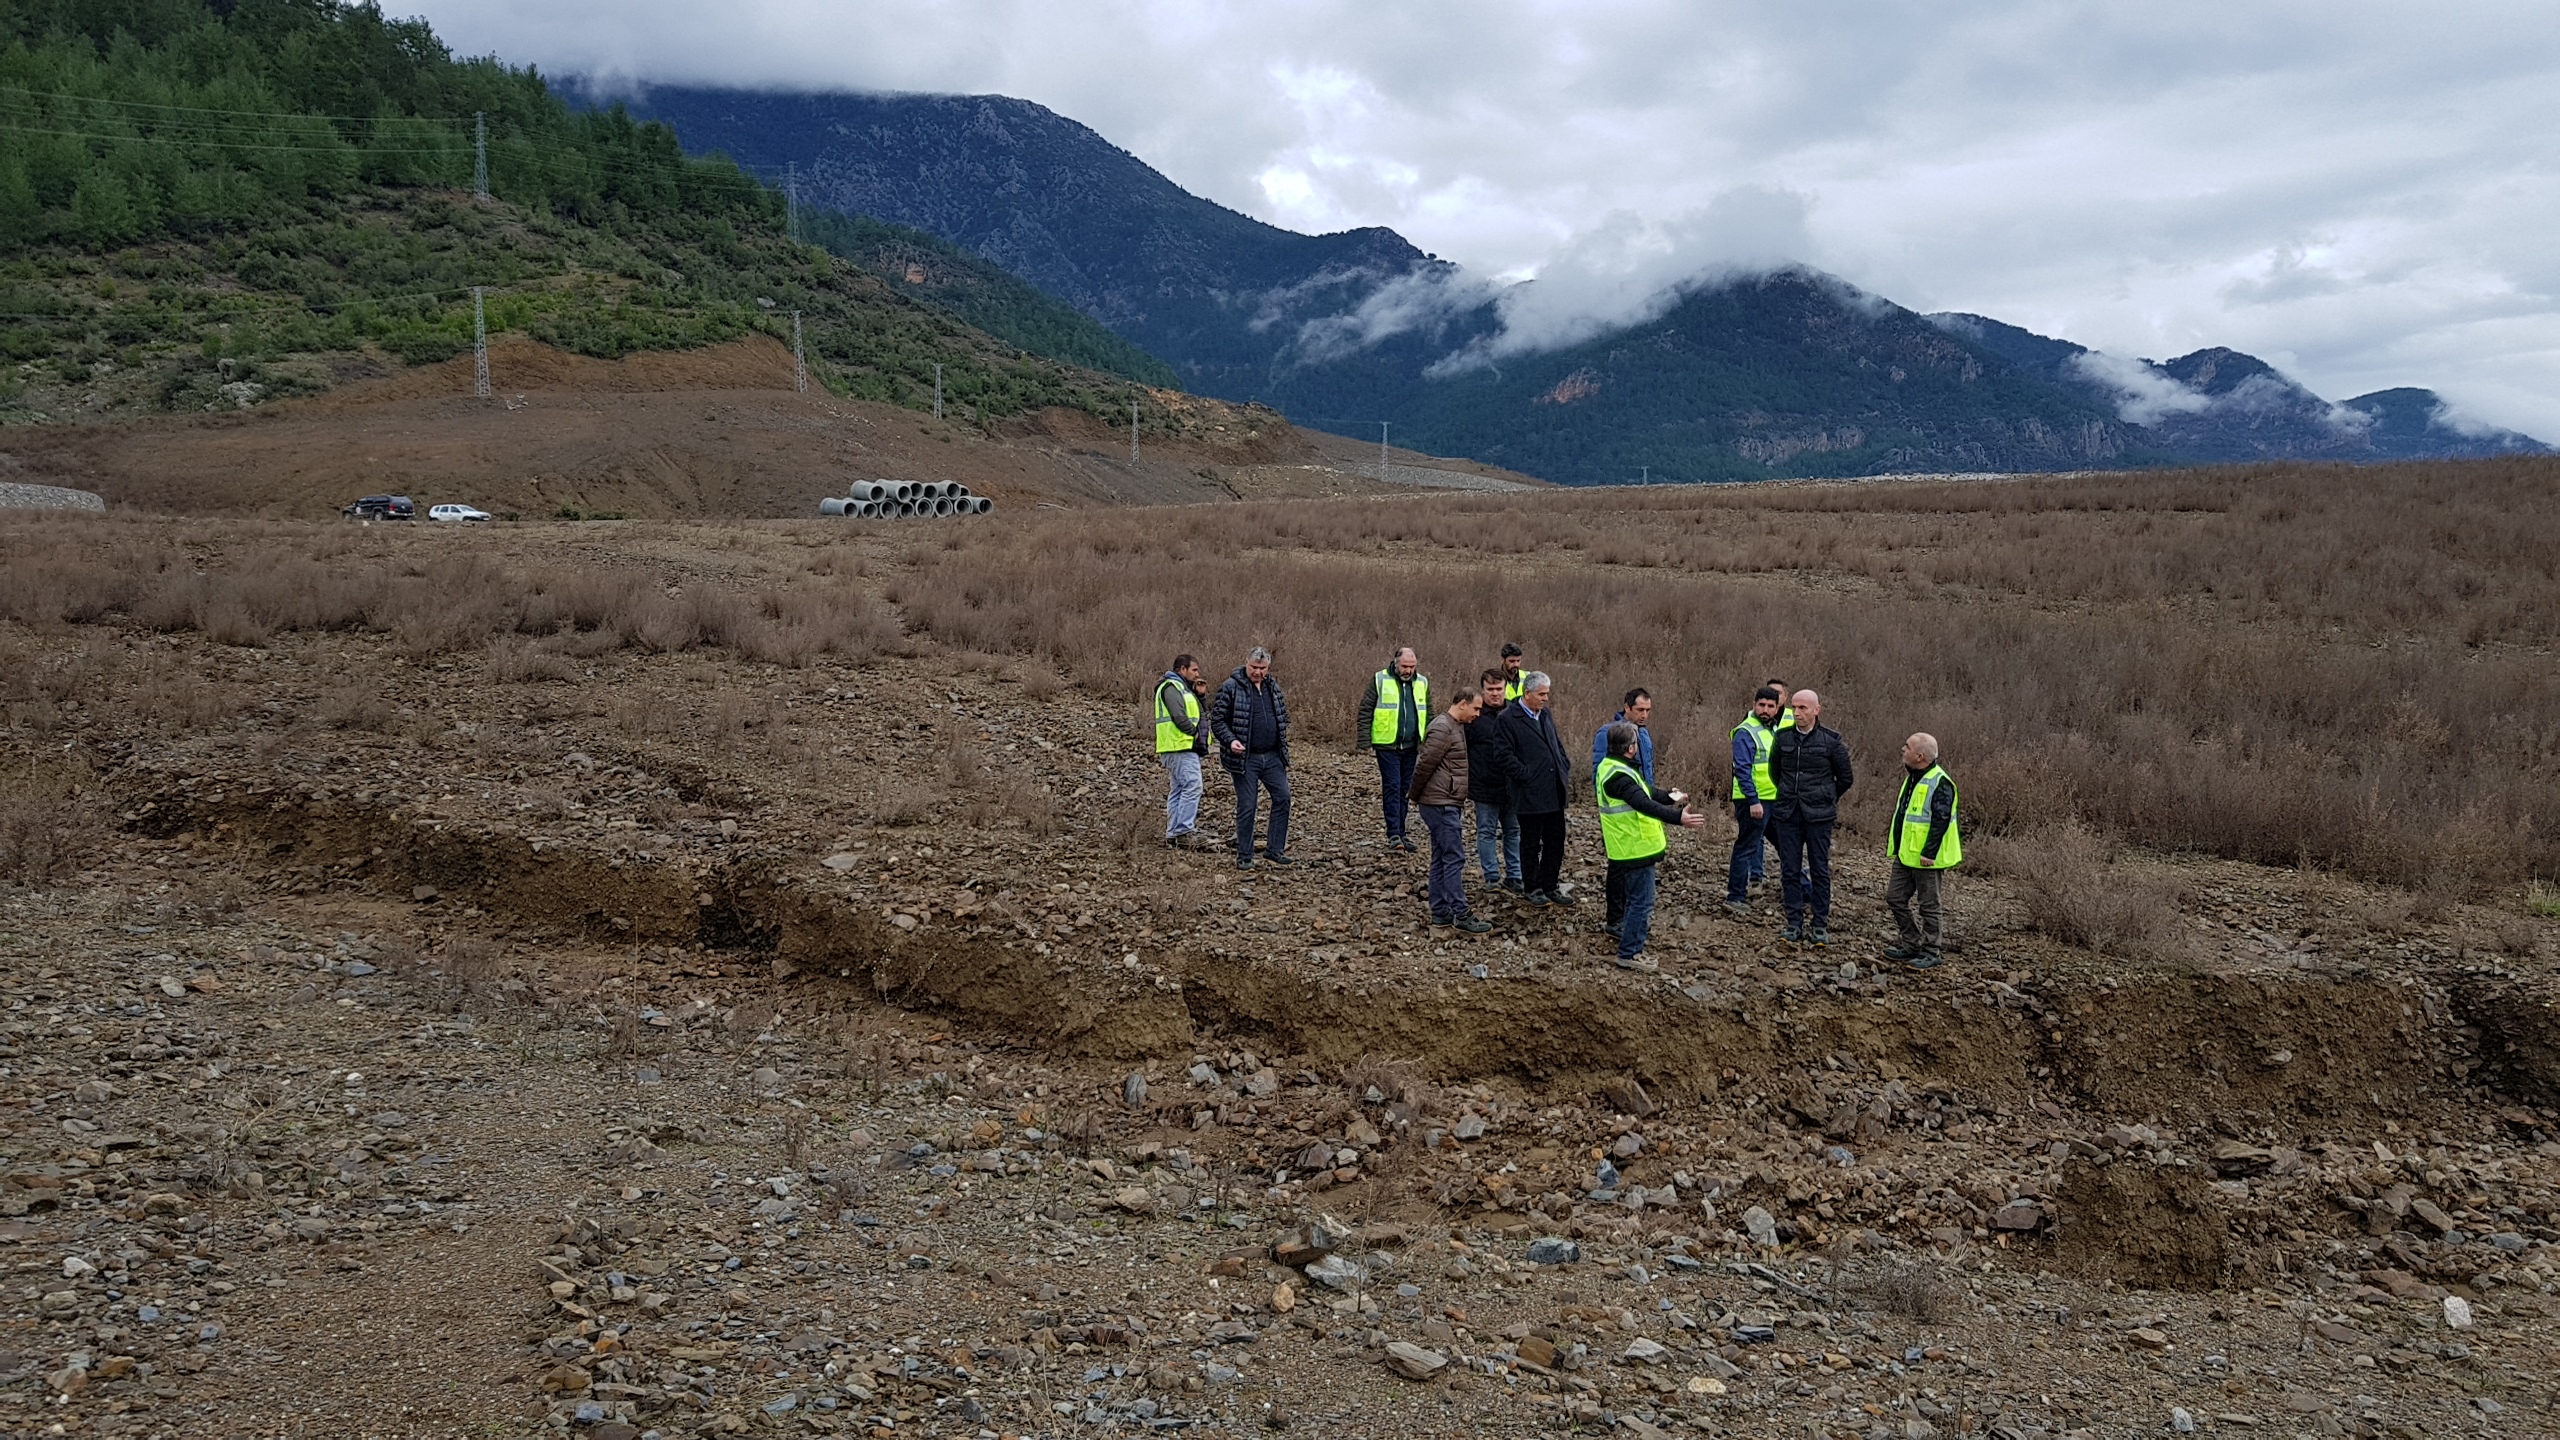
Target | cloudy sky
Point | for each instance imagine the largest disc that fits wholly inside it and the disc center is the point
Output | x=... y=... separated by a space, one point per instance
x=2365 y=194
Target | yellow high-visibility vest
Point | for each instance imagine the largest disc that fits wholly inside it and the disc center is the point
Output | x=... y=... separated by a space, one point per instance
x=1628 y=833
x=1910 y=833
x=1390 y=703
x=1169 y=737
x=1764 y=743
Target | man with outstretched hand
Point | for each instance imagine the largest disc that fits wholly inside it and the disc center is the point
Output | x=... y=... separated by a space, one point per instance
x=1632 y=821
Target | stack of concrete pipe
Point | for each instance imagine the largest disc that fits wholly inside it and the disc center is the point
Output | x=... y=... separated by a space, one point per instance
x=898 y=499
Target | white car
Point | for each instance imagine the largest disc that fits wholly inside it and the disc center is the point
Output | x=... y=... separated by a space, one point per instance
x=455 y=513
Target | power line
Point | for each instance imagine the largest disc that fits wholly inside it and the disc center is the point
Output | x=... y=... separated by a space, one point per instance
x=479 y=346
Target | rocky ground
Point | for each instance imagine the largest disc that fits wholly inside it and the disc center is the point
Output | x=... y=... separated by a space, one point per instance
x=674 y=1044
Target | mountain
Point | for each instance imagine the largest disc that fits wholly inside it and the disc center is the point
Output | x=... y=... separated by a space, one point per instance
x=982 y=293
x=203 y=207
x=2219 y=404
x=1218 y=294
x=1789 y=373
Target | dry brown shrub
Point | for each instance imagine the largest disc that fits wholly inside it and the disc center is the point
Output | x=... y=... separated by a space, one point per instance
x=2078 y=890
x=356 y=707
x=2252 y=662
x=178 y=700
x=1910 y=1292
x=910 y=802
x=51 y=823
x=515 y=660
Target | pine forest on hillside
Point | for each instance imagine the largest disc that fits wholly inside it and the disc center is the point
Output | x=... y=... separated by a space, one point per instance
x=206 y=207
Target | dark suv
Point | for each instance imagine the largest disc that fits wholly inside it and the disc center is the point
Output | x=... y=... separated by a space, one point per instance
x=382 y=507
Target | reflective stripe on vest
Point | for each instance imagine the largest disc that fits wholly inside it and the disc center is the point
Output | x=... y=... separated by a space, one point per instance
x=1383 y=719
x=1169 y=737
x=1628 y=833
x=1764 y=742
x=1911 y=823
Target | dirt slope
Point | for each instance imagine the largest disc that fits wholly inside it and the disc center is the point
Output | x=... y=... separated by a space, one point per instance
x=718 y=431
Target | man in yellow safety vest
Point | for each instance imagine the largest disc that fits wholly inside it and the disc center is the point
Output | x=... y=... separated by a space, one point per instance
x=1180 y=742
x=1514 y=678
x=1394 y=713
x=1755 y=744
x=1924 y=841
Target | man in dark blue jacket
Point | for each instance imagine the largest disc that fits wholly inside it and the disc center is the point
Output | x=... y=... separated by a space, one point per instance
x=1810 y=770
x=1250 y=721
x=1638 y=711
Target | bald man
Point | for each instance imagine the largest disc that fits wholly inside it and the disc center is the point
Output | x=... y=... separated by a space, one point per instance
x=1924 y=841
x=1810 y=770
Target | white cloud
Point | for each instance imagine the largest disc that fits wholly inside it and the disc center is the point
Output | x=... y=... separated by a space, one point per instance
x=2144 y=396
x=2358 y=191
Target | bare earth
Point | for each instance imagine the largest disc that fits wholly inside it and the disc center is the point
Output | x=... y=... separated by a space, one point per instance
x=674 y=1043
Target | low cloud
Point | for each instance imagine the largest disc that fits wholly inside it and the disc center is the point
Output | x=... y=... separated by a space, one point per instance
x=1425 y=298
x=1628 y=270
x=2144 y=396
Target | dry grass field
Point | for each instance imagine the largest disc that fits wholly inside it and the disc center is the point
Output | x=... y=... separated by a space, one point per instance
x=658 y=971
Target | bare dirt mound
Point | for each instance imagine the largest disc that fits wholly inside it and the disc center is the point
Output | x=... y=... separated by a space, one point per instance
x=713 y=432
x=2142 y=1225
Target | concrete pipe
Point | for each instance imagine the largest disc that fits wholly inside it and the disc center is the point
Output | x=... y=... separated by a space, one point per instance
x=980 y=504
x=905 y=509
x=833 y=506
x=869 y=490
x=939 y=507
x=958 y=491
x=905 y=492
x=936 y=490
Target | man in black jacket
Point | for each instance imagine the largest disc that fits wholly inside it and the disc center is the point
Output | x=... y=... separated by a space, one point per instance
x=1497 y=824
x=1539 y=777
x=1811 y=770
x=1250 y=721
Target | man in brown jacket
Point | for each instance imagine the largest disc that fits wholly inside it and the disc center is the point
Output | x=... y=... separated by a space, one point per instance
x=1440 y=789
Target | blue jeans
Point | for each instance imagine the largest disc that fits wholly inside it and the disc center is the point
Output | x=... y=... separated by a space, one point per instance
x=1637 y=883
x=1395 y=777
x=1448 y=861
x=1254 y=773
x=1182 y=801
x=1748 y=833
x=1804 y=869
x=1502 y=820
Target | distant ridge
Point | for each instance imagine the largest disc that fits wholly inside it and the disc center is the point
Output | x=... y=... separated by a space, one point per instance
x=1788 y=373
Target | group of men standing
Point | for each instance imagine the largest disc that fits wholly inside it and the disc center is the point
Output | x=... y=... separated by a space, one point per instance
x=1496 y=749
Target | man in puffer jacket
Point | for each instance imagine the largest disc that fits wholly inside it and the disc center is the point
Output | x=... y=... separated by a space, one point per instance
x=1250 y=721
